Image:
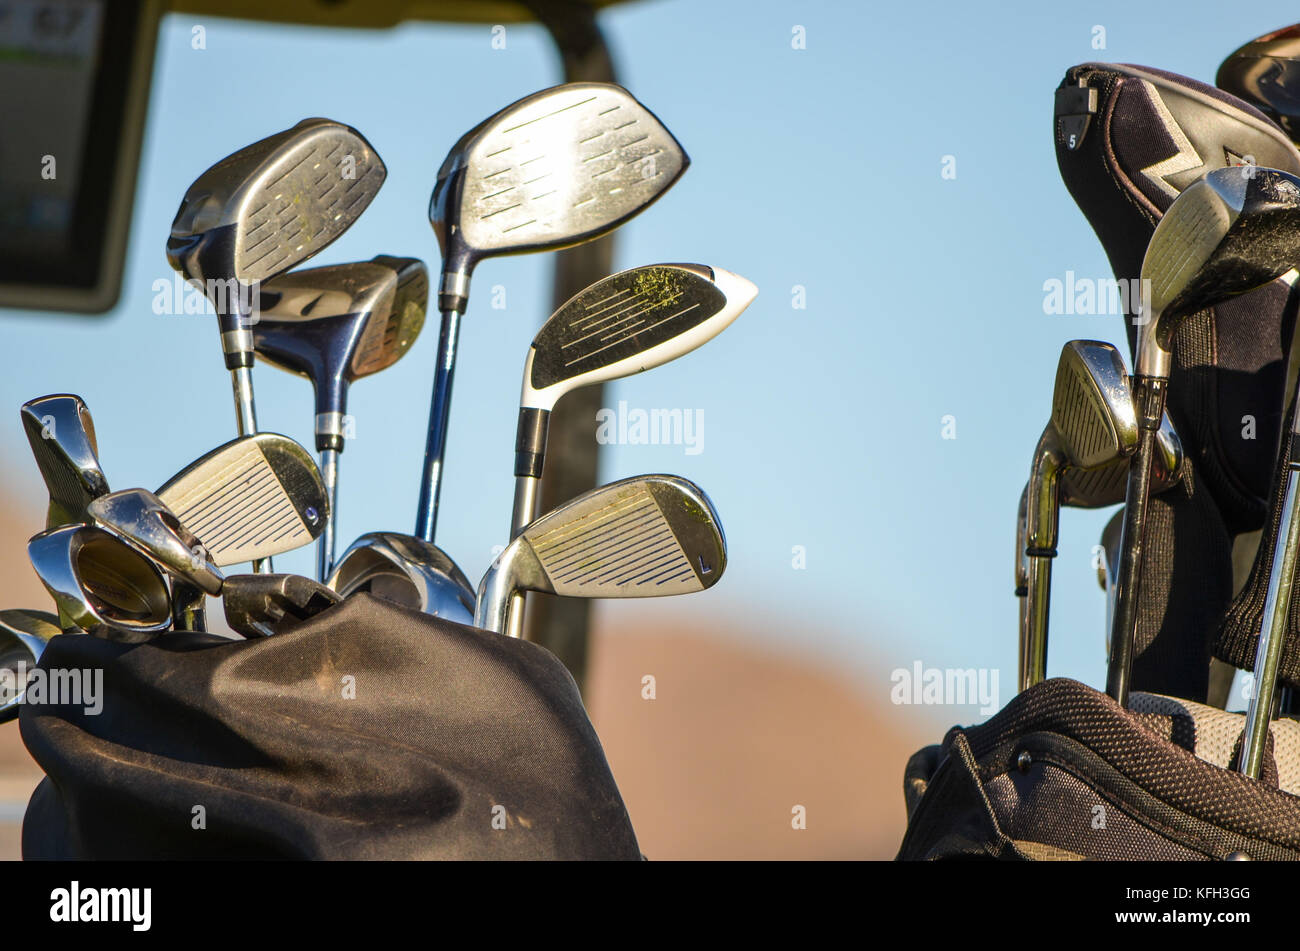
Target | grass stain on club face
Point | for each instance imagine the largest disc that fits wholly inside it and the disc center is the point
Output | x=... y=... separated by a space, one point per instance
x=659 y=286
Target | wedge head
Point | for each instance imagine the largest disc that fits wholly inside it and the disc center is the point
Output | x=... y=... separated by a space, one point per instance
x=140 y=519
x=1092 y=407
x=254 y=497
x=62 y=436
x=630 y=322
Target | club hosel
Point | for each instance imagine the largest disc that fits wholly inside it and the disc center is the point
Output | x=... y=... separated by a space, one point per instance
x=237 y=346
x=453 y=290
x=1043 y=514
x=1149 y=401
x=530 y=442
x=331 y=420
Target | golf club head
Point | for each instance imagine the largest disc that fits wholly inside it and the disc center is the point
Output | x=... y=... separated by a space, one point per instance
x=648 y=536
x=1106 y=485
x=1092 y=408
x=554 y=169
x=264 y=605
x=100 y=584
x=338 y=323
x=407 y=571
x=630 y=322
x=1233 y=231
x=62 y=437
x=1266 y=73
x=275 y=203
x=1108 y=571
x=139 y=518
x=254 y=497
x=23 y=636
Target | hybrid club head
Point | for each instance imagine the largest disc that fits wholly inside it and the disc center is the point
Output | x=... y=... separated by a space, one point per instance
x=23 y=636
x=624 y=324
x=1233 y=231
x=252 y=498
x=143 y=521
x=554 y=169
x=62 y=437
x=261 y=211
x=100 y=584
x=407 y=571
x=1266 y=73
x=649 y=536
x=265 y=605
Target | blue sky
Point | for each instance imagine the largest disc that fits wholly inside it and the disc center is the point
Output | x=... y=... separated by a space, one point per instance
x=818 y=168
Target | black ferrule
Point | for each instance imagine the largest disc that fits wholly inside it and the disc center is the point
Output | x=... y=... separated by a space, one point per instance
x=530 y=441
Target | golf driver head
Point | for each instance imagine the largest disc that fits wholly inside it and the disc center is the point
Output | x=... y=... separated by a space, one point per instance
x=338 y=323
x=1234 y=230
x=554 y=169
x=275 y=203
x=264 y=605
x=139 y=518
x=62 y=436
x=1266 y=73
x=630 y=322
x=100 y=584
x=649 y=536
x=254 y=497
x=407 y=571
x=23 y=636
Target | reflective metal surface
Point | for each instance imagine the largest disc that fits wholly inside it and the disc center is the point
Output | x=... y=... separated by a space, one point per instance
x=408 y=571
x=649 y=536
x=100 y=584
x=23 y=636
x=62 y=436
x=264 y=605
x=143 y=521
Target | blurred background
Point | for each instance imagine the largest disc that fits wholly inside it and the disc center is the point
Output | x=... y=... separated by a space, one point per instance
x=883 y=173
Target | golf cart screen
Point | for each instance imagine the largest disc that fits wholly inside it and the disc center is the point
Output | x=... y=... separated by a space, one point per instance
x=64 y=70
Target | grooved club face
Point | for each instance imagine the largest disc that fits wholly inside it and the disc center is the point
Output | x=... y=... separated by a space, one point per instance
x=62 y=437
x=1106 y=484
x=139 y=518
x=1092 y=408
x=630 y=322
x=252 y=498
x=275 y=203
x=556 y=168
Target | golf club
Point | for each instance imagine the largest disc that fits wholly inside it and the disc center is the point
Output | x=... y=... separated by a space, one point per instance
x=1232 y=231
x=23 y=636
x=649 y=536
x=407 y=571
x=334 y=325
x=100 y=584
x=555 y=169
x=265 y=605
x=140 y=519
x=1266 y=73
x=62 y=436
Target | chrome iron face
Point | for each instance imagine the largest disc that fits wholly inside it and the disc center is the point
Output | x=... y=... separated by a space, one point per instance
x=1105 y=485
x=140 y=519
x=23 y=636
x=62 y=436
x=100 y=584
x=254 y=497
x=263 y=605
x=622 y=325
x=407 y=571
x=554 y=169
x=1266 y=73
x=649 y=536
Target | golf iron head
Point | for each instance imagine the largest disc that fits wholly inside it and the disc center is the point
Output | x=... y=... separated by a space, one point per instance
x=140 y=519
x=265 y=605
x=62 y=436
x=407 y=571
x=624 y=324
x=649 y=536
x=23 y=636
x=100 y=584
x=1266 y=73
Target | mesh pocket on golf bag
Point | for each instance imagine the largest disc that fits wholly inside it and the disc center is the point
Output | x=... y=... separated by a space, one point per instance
x=1063 y=772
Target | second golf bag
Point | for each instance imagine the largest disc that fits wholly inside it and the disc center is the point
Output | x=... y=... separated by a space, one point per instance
x=1063 y=772
x=1128 y=140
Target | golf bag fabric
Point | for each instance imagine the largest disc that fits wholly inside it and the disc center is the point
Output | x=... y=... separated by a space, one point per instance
x=1065 y=773
x=1128 y=140
x=367 y=732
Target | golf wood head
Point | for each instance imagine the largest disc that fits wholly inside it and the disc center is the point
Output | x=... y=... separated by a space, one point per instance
x=1266 y=73
x=62 y=436
x=554 y=169
x=1233 y=231
x=23 y=636
x=338 y=323
x=275 y=203
x=629 y=322
x=100 y=584
x=143 y=521
x=264 y=605
x=649 y=536
x=407 y=571
x=1092 y=406
x=254 y=497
